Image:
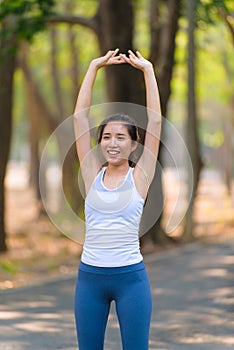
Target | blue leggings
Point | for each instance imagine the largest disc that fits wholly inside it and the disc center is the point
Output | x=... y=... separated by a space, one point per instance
x=129 y=287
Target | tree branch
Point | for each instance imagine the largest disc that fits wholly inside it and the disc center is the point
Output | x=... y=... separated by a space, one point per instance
x=227 y=20
x=88 y=22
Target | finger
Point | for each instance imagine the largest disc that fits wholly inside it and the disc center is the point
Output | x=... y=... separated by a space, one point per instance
x=133 y=59
x=131 y=53
x=139 y=54
x=112 y=52
x=124 y=57
x=109 y=54
x=115 y=52
x=116 y=60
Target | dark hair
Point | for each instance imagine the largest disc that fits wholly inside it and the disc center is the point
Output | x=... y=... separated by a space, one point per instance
x=126 y=120
x=130 y=125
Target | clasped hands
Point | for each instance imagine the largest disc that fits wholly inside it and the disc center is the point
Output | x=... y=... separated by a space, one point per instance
x=114 y=57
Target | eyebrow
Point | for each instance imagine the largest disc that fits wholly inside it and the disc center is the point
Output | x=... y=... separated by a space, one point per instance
x=119 y=133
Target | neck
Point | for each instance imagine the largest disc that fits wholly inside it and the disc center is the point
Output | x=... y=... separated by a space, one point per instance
x=117 y=170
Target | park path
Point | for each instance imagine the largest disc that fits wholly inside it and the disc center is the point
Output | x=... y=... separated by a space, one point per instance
x=193 y=298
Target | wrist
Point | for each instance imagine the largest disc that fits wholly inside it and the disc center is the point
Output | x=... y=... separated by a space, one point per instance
x=148 y=69
x=94 y=66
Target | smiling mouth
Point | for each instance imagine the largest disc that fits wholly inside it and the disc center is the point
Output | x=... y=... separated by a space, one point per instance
x=113 y=153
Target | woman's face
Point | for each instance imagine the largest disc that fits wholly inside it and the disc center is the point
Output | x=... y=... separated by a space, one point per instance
x=116 y=143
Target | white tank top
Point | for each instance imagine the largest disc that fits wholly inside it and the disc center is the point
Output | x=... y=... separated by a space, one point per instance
x=112 y=223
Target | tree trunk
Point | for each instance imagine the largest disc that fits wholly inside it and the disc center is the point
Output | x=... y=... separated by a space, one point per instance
x=191 y=127
x=114 y=23
x=164 y=18
x=227 y=155
x=38 y=114
x=74 y=71
x=69 y=171
x=7 y=66
x=59 y=102
x=228 y=128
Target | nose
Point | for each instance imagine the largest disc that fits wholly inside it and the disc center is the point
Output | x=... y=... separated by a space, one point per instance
x=113 y=141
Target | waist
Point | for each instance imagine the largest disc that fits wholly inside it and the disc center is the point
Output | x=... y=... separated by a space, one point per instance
x=111 y=270
x=111 y=248
x=112 y=256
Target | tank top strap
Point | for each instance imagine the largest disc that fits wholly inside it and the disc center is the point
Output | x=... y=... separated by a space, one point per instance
x=99 y=179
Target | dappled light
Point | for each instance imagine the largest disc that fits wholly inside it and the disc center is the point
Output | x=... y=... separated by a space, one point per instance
x=207 y=339
x=23 y=316
x=194 y=298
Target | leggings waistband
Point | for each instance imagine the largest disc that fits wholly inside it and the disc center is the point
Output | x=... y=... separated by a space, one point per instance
x=111 y=270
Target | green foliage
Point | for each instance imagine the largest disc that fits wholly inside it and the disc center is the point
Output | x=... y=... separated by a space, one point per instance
x=10 y=266
x=24 y=18
x=214 y=73
x=207 y=10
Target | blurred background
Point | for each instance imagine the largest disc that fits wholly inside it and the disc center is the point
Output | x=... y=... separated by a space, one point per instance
x=46 y=47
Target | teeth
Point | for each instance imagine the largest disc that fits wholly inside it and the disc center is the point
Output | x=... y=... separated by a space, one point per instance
x=113 y=152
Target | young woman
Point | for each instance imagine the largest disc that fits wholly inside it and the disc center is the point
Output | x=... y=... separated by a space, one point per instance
x=111 y=266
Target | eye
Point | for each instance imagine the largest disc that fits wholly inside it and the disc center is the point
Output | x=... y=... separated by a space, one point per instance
x=105 y=137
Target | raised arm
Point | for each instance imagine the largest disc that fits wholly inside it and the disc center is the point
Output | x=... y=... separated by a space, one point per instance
x=88 y=161
x=145 y=168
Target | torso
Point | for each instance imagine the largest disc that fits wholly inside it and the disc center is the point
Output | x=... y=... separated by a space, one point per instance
x=114 y=180
x=112 y=222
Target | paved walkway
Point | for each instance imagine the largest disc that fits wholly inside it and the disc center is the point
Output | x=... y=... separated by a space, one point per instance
x=193 y=292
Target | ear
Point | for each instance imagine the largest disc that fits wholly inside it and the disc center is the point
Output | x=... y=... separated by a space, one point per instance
x=134 y=145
